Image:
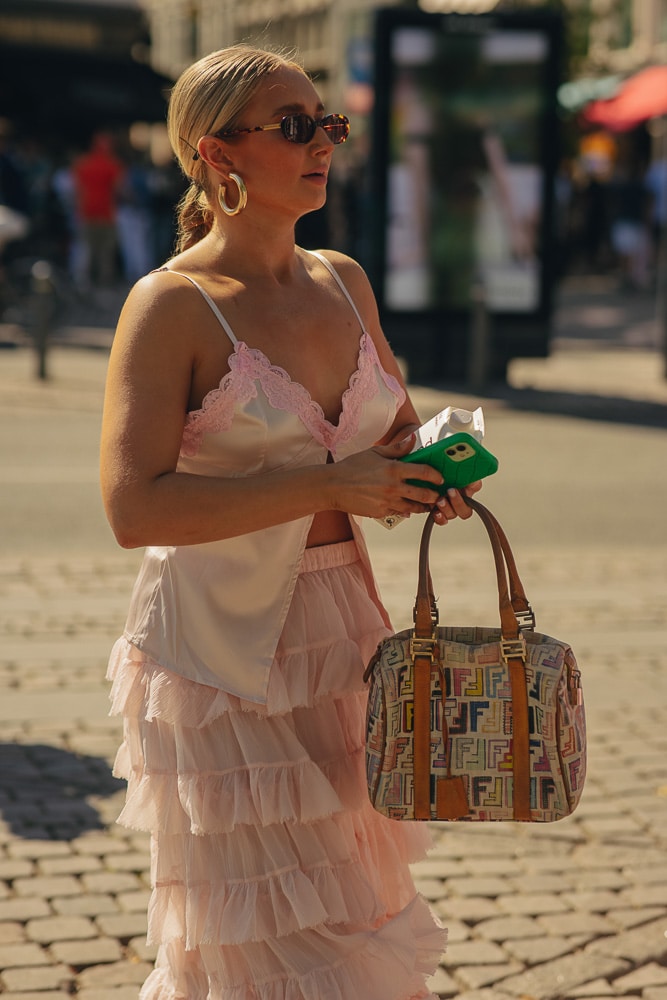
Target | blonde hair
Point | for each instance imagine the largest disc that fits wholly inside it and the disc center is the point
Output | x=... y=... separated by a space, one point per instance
x=208 y=97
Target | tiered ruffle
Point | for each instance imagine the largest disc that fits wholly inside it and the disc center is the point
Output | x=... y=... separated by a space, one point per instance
x=274 y=879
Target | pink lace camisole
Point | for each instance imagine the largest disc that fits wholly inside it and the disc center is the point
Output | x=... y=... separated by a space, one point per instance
x=213 y=612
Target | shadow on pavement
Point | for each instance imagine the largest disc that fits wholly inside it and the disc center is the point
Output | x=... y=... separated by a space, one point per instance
x=44 y=791
x=586 y=406
x=558 y=402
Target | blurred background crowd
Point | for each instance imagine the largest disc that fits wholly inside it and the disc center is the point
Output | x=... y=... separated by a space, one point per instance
x=87 y=181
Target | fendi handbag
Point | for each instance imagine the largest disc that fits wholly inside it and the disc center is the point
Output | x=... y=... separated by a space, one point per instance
x=473 y=723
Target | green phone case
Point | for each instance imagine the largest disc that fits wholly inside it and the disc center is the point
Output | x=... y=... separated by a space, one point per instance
x=460 y=458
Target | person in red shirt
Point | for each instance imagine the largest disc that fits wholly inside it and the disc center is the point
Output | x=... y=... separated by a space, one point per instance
x=96 y=176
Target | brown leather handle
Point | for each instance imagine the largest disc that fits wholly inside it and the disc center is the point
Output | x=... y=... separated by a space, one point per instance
x=514 y=607
x=515 y=614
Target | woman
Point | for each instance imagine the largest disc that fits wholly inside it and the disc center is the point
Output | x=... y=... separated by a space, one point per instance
x=239 y=675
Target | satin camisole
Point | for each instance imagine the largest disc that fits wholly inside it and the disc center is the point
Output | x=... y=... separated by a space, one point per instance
x=213 y=612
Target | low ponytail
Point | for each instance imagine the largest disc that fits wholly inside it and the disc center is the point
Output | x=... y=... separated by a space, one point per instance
x=194 y=218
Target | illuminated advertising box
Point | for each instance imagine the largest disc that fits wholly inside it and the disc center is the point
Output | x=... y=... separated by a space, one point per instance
x=465 y=149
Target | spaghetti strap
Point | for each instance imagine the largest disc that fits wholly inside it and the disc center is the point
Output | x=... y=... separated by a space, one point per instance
x=329 y=266
x=223 y=322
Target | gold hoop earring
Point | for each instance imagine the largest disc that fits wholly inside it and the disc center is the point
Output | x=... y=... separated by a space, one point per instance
x=243 y=196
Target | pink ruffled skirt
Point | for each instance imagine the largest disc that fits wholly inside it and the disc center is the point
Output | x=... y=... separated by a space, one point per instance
x=273 y=877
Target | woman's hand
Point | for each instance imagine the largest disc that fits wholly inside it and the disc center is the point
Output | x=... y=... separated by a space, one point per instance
x=453 y=505
x=373 y=484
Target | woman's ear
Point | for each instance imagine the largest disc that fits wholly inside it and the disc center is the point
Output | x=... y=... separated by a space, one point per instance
x=212 y=151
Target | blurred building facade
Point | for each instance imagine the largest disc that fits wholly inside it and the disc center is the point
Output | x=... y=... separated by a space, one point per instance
x=623 y=35
x=615 y=36
x=319 y=30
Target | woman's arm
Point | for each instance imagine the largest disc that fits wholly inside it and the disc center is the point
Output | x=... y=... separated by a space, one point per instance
x=146 y=401
x=407 y=419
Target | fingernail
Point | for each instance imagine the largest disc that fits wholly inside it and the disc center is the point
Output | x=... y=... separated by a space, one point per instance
x=451 y=492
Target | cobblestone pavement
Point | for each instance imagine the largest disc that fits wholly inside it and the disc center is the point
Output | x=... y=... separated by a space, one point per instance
x=576 y=909
x=573 y=909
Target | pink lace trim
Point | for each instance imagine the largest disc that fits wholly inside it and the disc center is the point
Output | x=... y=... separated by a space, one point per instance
x=249 y=367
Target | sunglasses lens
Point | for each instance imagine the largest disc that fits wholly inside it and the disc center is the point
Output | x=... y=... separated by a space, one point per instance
x=298 y=128
x=301 y=128
x=337 y=127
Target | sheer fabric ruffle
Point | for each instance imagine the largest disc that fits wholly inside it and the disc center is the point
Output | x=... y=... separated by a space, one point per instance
x=273 y=877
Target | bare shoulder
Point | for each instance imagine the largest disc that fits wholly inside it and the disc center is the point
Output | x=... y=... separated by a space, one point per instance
x=350 y=271
x=160 y=297
x=356 y=281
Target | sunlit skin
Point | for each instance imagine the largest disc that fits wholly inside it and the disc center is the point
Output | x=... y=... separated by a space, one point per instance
x=169 y=352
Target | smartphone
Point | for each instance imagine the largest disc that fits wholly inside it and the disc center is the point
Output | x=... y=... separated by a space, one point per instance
x=460 y=458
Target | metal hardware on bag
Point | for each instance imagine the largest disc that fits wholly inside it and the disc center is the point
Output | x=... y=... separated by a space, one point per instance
x=510 y=648
x=525 y=620
x=435 y=617
x=423 y=647
x=574 y=686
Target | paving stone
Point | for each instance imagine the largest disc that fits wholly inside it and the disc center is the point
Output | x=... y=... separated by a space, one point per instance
x=22 y=955
x=471 y=909
x=655 y=993
x=542 y=884
x=599 y=987
x=458 y=931
x=430 y=888
x=594 y=902
x=36 y=849
x=644 y=895
x=499 y=866
x=646 y=943
x=85 y=905
x=442 y=984
x=123 y=925
x=534 y=951
x=141 y=862
x=73 y=864
x=134 y=902
x=490 y=887
x=554 y=979
x=488 y=994
x=46 y=995
x=47 y=887
x=566 y=924
x=99 y=844
x=508 y=928
x=23 y=909
x=635 y=875
x=82 y=953
x=111 y=882
x=11 y=932
x=49 y=977
x=636 y=915
x=115 y=974
x=531 y=904
x=477 y=952
x=11 y=868
x=475 y=976
x=143 y=951
x=648 y=975
x=113 y=993
x=604 y=878
x=51 y=929
x=440 y=868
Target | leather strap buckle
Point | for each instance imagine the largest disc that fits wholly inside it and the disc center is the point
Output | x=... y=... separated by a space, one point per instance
x=423 y=647
x=525 y=620
x=512 y=648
